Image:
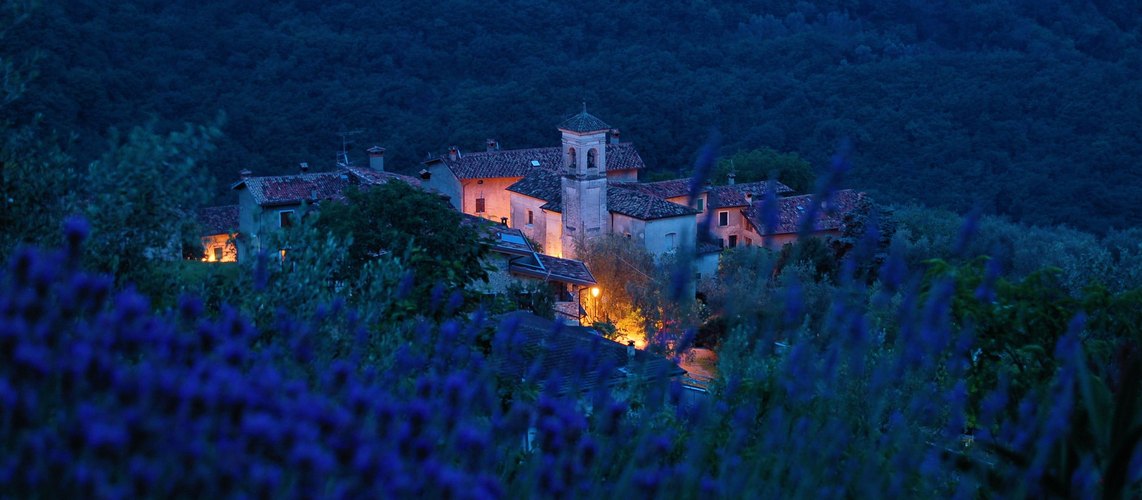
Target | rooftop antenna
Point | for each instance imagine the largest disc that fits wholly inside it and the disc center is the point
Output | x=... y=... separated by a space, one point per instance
x=343 y=154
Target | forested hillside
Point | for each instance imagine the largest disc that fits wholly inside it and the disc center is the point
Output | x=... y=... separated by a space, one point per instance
x=1026 y=108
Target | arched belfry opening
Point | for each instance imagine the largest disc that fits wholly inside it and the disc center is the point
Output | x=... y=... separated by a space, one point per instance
x=584 y=183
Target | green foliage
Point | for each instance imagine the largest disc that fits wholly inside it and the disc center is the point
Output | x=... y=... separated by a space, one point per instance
x=535 y=297
x=34 y=171
x=1025 y=109
x=766 y=164
x=432 y=239
x=141 y=197
x=623 y=271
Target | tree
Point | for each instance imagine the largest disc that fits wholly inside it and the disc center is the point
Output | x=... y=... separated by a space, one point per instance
x=422 y=229
x=34 y=171
x=141 y=196
x=765 y=163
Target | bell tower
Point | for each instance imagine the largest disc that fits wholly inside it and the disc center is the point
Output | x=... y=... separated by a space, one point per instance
x=584 y=180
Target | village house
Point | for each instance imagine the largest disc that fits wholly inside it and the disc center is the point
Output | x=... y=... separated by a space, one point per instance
x=559 y=197
x=512 y=260
x=219 y=230
x=790 y=213
x=268 y=204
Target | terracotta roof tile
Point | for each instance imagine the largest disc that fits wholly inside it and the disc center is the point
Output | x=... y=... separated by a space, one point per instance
x=642 y=206
x=519 y=162
x=540 y=183
x=792 y=209
x=735 y=195
x=663 y=189
x=290 y=189
x=567 y=270
x=218 y=220
x=626 y=198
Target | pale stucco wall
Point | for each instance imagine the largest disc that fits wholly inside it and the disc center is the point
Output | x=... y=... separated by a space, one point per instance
x=736 y=225
x=537 y=230
x=445 y=182
x=627 y=175
x=497 y=203
x=553 y=240
x=682 y=227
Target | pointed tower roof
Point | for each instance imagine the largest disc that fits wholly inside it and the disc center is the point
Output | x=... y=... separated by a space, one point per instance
x=584 y=122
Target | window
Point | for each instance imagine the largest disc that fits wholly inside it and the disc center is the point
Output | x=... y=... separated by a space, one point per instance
x=701 y=205
x=592 y=155
x=285 y=218
x=723 y=218
x=530 y=217
x=733 y=240
x=480 y=205
x=571 y=158
x=748 y=241
x=671 y=241
x=217 y=254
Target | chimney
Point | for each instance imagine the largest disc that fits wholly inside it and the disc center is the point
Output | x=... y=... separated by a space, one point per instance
x=730 y=177
x=630 y=350
x=377 y=158
x=493 y=145
x=425 y=174
x=613 y=136
x=245 y=173
x=304 y=167
x=453 y=153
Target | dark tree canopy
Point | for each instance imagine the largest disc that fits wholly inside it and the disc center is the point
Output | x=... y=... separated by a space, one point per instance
x=415 y=226
x=1027 y=109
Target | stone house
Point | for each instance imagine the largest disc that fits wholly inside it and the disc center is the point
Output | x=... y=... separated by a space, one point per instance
x=589 y=186
x=272 y=203
x=219 y=231
x=512 y=259
x=787 y=220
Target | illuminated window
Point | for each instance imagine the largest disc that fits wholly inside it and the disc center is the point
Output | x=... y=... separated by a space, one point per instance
x=480 y=205
x=285 y=218
x=723 y=218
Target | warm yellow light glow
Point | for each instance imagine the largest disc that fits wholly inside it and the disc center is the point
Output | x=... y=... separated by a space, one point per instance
x=595 y=291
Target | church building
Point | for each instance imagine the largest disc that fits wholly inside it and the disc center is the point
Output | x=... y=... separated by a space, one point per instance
x=560 y=197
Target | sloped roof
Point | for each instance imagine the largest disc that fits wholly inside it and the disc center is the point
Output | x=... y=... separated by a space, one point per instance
x=672 y=188
x=643 y=206
x=735 y=195
x=540 y=183
x=567 y=270
x=291 y=189
x=792 y=209
x=218 y=220
x=627 y=198
x=584 y=122
x=581 y=359
x=534 y=264
x=519 y=162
